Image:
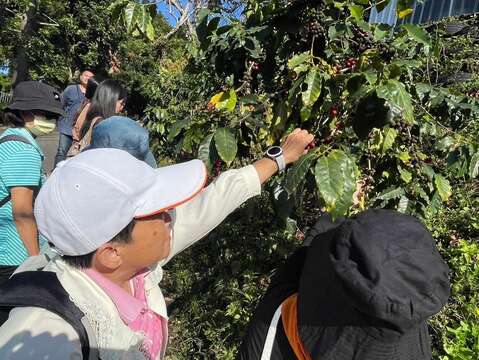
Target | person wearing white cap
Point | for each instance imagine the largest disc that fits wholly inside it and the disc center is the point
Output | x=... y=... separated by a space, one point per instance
x=114 y=221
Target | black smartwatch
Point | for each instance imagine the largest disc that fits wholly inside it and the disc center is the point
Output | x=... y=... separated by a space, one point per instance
x=276 y=153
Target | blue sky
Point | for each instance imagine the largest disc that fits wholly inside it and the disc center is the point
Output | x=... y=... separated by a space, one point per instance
x=162 y=8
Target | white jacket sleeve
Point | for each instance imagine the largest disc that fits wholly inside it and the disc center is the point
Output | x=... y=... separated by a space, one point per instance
x=36 y=334
x=195 y=219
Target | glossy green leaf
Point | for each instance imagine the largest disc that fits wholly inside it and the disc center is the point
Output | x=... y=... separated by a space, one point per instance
x=404 y=156
x=396 y=94
x=428 y=171
x=133 y=14
x=356 y=12
x=445 y=143
x=443 y=187
x=391 y=194
x=418 y=34
x=293 y=92
x=116 y=9
x=371 y=76
x=298 y=60
x=406 y=176
x=226 y=144
x=404 y=8
x=150 y=30
x=435 y=203
x=381 y=31
x=305 y=113
x=205 y=151
x=313 y=90
x=390 y=135
x=336 y=180
x=225 y=100
x=474 y=166
x=296 y=175
x=176 y=128
x=403 y=204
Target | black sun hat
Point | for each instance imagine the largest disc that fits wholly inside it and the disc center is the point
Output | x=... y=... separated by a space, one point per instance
x=34 y=95
x=368 y=285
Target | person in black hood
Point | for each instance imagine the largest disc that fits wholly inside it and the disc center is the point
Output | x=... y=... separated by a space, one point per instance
x=362 y=288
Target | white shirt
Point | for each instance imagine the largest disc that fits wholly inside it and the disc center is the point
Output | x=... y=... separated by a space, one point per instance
x=33 y=333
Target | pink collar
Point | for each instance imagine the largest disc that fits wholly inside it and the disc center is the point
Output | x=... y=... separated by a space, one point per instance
x=128 y=306
x=134 y=310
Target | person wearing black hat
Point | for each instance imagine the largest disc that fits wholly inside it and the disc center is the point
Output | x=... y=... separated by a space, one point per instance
x=33 y=112
x=362 y=289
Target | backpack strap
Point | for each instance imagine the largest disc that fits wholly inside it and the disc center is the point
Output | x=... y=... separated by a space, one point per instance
x=42 y=289
x=14 y=138
x=4 y=139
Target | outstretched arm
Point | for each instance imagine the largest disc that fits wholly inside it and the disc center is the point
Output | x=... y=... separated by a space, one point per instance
x=195 y=219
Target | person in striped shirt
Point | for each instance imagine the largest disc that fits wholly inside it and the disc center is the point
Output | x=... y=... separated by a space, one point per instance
x=33 y=112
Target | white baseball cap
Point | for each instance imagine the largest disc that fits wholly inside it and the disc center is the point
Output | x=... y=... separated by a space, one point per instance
x=89 y=199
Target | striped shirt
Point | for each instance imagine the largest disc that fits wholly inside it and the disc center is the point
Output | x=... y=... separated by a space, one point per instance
x=20 y=165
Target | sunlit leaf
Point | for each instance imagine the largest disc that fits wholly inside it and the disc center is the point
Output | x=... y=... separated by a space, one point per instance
x=405 y=12
x=403 y=204
x=205 y=151
x=396 y=94
x=298 y=60
x=418 y=34
x=389 y=138
x=404 y=8
x=336 y=180
x=406 y=176
x=443 y=187
x=225 y=100
x=356 y=12
x=313 y=90
x=226 y=144
x=296 y=175
x=132 y=14
x=474 y=166
x=404 y=156
x=391 y=194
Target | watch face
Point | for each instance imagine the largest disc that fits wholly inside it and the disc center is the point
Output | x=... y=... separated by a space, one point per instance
x=274 y=151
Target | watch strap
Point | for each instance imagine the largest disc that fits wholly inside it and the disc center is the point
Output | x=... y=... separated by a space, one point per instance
x=281 y=162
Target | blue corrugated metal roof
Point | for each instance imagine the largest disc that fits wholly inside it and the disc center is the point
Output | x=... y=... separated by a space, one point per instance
x=430 y=10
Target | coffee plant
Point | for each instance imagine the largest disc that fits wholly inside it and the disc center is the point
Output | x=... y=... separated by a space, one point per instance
x=387 y=130
x=395 y=116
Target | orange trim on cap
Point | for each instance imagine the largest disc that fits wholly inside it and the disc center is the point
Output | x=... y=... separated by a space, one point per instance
x=169 y=207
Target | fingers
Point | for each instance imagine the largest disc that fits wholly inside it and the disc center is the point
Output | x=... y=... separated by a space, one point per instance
x=300 y=134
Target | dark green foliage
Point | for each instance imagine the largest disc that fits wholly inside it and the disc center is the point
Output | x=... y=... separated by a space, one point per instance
x=391 y=112
x=383 y=120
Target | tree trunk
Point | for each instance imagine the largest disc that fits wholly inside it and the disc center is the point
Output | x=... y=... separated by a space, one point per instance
x=20 y=72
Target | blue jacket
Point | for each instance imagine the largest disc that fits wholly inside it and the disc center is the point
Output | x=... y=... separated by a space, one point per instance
x=72 y=97
x=123 y=133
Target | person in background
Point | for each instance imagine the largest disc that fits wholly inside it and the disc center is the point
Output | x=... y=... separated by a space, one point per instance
x=72 y=97
x=33 y=112
x=80 y=116
x=123 y=133
x=361 y=288
x=109 y=99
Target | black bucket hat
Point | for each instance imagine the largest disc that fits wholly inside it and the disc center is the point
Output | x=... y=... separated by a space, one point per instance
x=34 y=95
x=368 y=285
